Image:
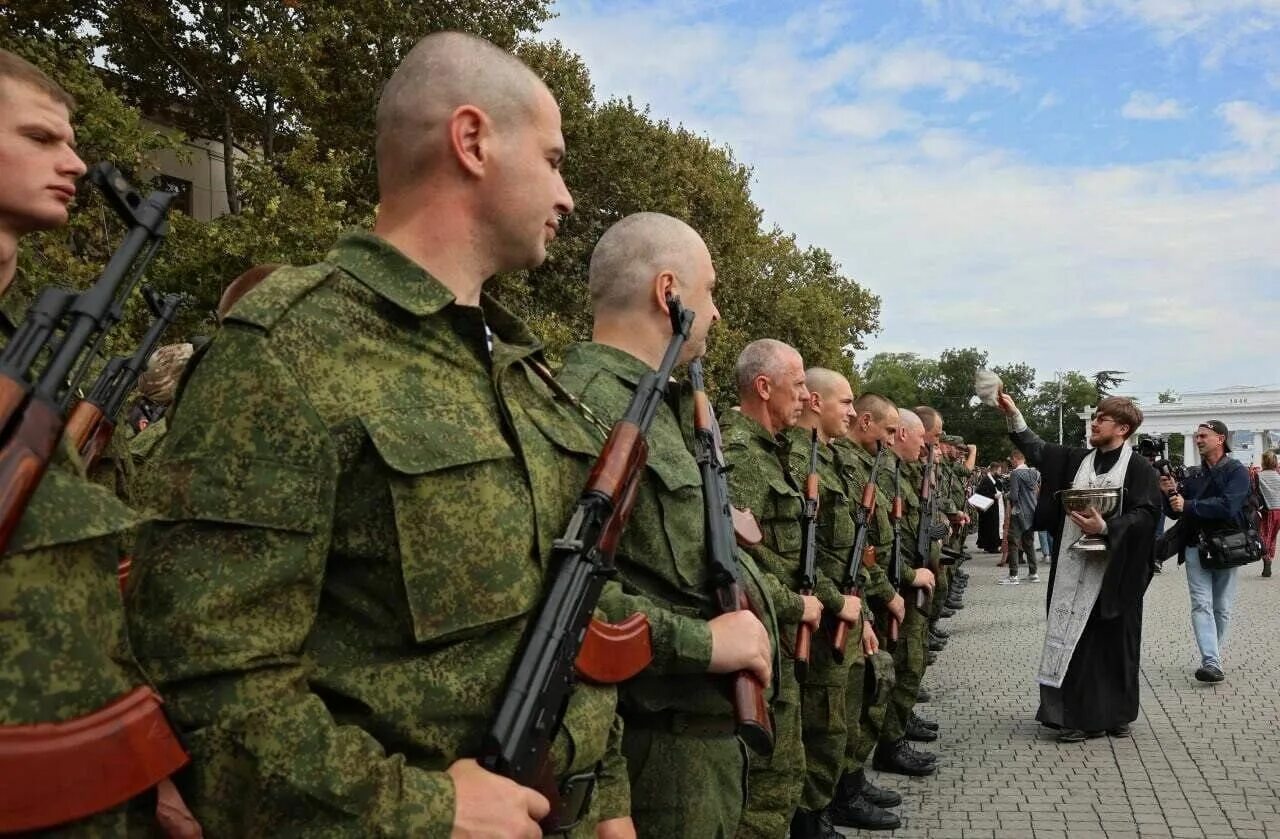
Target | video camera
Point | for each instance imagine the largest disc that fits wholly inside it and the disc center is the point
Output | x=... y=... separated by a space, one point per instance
x=1150 y=447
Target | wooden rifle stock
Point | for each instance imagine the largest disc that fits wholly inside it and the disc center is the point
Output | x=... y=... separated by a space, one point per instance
x=615 y=652
x=23 y=462
x=808 y=557
x=726 y=526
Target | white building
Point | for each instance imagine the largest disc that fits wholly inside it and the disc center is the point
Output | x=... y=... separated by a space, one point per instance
x=1252 y=414
x=195 y=173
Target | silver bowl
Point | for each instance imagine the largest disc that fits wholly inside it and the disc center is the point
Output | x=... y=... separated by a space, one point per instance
x=1106 y=500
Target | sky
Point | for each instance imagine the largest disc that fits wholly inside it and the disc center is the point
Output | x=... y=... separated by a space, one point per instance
x=1074 y=184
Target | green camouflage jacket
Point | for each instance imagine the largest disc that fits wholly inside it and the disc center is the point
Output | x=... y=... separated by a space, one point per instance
x=359 y=502
x=855 y=465
x=662 y=558
x=761 y=482
x=910 y=475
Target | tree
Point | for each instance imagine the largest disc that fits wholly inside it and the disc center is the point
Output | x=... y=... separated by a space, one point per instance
x=1105 y=380
x=1073 y=392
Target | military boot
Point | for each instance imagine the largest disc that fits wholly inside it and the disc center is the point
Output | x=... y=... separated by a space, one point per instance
x=854 y=785
x=896 y=758
x=936 y=629
x=921 y=721
x=919 y=733
x=862 y=814
x=928 y=758
x=936 y=644
x=930 y=657
x=923 y=695
x=806 y=824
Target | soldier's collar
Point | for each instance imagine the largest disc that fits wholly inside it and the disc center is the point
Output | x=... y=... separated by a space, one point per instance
x=620 y=363
x=377 y=264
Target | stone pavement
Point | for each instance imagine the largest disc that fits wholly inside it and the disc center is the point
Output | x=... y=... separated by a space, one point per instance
x=1204 y=759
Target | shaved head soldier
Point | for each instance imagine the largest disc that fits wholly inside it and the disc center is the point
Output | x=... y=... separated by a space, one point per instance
x=772 y=397
x=685 y=764
x=365 y=478
x=825 y=693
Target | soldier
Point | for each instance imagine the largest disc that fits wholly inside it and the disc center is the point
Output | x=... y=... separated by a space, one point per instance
x=65 y=660
x=892 y=752
x=686 y=766
x=363 y=489
x=772 y=394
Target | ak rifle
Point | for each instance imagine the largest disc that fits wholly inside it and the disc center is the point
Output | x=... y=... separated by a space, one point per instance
x=861 y=556
x=924 y=532
x=808 y=555
x=537 y=693
x=750 y=708
x=67 y=328
x=896 y=512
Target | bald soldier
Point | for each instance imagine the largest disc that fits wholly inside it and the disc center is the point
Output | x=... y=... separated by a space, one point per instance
x=364 y=479
x=772 y=398
x=686 y=766
x=893 y=753
x=830 y=700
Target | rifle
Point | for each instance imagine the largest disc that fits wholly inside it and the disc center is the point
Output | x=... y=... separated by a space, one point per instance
x=808 y=555
x=32 y=414
x=537 y=693
x=924 y=535
x=861 y=556
x=750 y=709
x=93 y=419
x=896 y=513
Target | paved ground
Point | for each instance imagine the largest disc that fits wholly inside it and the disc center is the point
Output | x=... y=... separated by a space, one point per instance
x=1203 y=761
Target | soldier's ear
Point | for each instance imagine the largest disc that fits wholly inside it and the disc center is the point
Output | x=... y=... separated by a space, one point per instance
x=664 y=283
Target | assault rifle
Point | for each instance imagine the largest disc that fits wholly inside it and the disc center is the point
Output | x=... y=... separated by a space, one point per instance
x=536 y=696
x=93 y=419
x=924 y=532
x=896 y=513
x=68 y=328
x=861 y=556
x=808 y=555
x=750 y=709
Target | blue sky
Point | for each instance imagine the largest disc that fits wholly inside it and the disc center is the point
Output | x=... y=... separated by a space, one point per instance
x=1078 y=184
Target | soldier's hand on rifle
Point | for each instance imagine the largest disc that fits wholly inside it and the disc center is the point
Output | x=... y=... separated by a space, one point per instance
x=852 y=610
x=898 y=608
x=622 y=828
x=491 y=806
x=739 y=641
x=870 y=643
x=812 y=611
x=923 y=579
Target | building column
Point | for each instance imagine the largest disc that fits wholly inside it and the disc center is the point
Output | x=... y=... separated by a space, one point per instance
x=1190 y=455
x=1259 y=446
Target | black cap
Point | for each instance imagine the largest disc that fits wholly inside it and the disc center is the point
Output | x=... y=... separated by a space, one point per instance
x=1219 y=427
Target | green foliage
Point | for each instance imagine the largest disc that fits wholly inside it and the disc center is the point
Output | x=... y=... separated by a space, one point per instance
x=299 y=83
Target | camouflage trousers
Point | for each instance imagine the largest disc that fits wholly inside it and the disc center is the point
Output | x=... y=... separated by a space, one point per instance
x=685 y=785
x=774 y=781
x=908 y=664
x=824 y=723
x=871 y=683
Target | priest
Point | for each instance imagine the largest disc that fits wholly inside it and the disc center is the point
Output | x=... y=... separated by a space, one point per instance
x=1089 y=667
x=990 y=519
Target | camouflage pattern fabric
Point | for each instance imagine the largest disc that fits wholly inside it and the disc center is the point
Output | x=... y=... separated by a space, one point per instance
x=64 y=651
x=910 y=651
x=359 y=502
x=825 y=725
x=759 y=481
x=686 y=767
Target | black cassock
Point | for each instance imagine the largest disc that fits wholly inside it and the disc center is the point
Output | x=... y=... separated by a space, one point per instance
x=1100 y=690
x=988 y=519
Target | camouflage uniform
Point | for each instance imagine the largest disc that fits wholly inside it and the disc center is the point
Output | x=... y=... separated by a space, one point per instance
x=909 y=653
x=688 y=770
x=855 y=465
x=826 y=721
x=64 y=651
x=760 y=481
x=363 y=485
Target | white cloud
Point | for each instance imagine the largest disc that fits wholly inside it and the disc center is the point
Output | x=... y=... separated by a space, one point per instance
x=1049 y=100
x=967 y=243
x=866 y=121
x=911 y=68
x=1148 y=106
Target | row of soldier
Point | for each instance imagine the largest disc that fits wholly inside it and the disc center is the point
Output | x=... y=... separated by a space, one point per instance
x=349 y=520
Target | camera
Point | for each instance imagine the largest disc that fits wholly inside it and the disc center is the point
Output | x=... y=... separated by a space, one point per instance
x=1150 y=447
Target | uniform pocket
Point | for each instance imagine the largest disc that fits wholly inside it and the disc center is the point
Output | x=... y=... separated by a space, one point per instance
x=463 y=516
x=784 y=517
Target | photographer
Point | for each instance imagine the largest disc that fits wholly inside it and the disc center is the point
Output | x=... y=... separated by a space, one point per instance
x=1210 y=506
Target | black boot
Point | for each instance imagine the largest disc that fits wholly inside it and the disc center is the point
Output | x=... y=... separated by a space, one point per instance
x=862 y=814
x=930 y=657
x=877 y=796
x=923 y=695
x=937 y=645
x=806 y=824
x=896 y=758
x=919 y=733
x=939 y=631
x=921 y=721
x=1266 y=568
x=954 y=603
x=927 y=758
